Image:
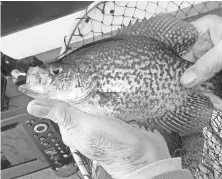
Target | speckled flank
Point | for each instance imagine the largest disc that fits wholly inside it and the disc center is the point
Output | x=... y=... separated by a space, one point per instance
x=137 y=74
x=141 y=78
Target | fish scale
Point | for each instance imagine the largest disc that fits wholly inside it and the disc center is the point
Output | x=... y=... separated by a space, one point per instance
x=135 y=76
x=149 y=50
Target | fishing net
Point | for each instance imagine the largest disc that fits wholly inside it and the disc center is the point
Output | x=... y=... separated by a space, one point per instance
x=200 y=152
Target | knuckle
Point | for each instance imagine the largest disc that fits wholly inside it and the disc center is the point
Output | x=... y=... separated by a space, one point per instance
x=211 y=62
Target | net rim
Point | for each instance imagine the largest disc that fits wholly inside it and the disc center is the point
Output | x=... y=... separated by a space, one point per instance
x=82 y=17
x=75 y=25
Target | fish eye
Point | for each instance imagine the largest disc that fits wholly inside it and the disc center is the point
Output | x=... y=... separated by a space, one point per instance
x=56 y=70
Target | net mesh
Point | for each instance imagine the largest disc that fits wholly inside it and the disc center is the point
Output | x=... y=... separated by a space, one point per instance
x=200 y=152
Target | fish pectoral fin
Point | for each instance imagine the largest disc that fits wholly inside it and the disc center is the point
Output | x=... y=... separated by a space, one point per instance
x=191 y=116
x=173 y=33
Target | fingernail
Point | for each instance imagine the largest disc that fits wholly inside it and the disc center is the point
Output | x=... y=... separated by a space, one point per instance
x=189 y=77
x=40 y=110
x=156 y=131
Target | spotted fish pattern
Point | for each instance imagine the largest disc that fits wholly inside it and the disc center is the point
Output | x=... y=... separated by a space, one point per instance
x=135 y=76
x=144 y=87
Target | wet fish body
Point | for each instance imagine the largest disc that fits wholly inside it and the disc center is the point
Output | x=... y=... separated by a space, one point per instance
x=134 y=76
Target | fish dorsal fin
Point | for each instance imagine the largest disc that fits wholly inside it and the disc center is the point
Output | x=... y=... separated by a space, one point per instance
x=173 y=33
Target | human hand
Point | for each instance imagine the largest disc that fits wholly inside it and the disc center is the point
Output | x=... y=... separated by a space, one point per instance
x=119 y=148
x=211 y=24
x=209 y=29
x=205 y=68
x=207 y=53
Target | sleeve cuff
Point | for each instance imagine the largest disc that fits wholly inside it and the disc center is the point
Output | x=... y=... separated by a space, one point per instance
x=156 y=168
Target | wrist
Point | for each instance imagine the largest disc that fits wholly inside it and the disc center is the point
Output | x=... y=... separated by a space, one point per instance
x=156 y=168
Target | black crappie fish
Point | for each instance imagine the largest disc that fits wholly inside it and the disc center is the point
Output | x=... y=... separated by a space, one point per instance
x=134 y=76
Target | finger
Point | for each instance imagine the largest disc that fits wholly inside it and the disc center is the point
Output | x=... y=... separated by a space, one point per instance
x=160 y=135
x=146 y=131
x=43 y=108
x=149 y=132
x=38 y=110
x=216 y=33
x=56 y=111
x=155 y=131
x=210 y=33
x=204 y=69
x=207 y=22
x=203 y=45
x=217 y=102
x=73 y=123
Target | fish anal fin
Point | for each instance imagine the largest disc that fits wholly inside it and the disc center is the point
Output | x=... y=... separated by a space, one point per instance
x=191 y=116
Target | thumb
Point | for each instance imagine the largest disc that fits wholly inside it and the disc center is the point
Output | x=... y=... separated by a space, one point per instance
x=216 y=33
x=56 y=111
x=205 y=68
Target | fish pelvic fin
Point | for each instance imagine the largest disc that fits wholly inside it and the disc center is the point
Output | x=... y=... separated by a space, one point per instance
x=173 y=33
x=190 y=117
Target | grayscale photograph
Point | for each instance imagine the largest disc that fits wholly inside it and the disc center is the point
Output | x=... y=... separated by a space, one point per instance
x=111 y=89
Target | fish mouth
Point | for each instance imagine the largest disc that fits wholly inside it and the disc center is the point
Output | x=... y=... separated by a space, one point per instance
x=30 y=90
x=33 y=79
x=33 y=87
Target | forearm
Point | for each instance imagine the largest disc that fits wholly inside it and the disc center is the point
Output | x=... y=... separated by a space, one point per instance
x=163 y=169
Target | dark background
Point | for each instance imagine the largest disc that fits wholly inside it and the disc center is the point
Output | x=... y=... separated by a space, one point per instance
x=19 y=15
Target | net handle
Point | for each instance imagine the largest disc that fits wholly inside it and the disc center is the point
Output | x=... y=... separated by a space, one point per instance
x=75 y=25
x=80 y=164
